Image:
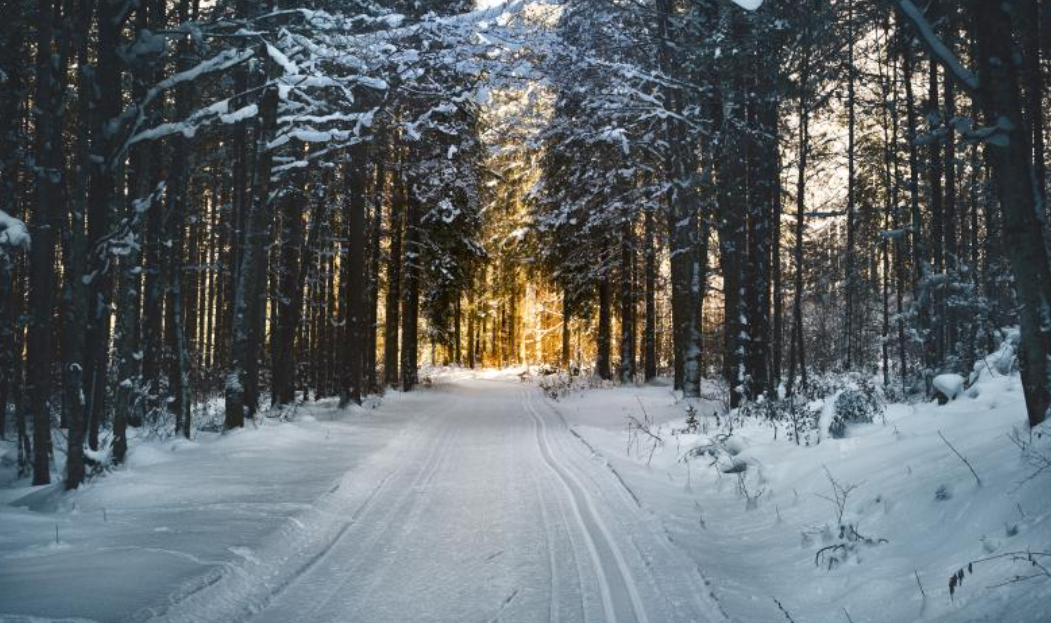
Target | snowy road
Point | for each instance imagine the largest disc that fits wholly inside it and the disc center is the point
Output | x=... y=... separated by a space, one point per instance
x=484 y=508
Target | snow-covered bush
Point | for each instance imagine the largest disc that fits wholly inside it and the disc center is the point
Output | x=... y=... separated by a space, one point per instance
x=859 y=405
x=795 y=414
x=948 y=387
x=821 y=386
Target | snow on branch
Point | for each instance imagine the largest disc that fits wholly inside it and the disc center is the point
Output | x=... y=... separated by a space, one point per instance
x=936 y=47
x=13 y=232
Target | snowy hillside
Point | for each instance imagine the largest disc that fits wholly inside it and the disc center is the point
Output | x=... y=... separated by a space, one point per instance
x=913 y=514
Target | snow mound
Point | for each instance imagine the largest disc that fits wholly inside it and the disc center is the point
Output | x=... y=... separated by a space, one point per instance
x=949 y=385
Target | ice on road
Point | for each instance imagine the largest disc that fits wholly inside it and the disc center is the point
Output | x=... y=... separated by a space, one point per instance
x=483 y=508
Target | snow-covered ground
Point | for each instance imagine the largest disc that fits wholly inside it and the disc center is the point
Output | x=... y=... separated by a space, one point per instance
x=478 y=499
x=911 y=490
x=179 y=515
x=467 y=501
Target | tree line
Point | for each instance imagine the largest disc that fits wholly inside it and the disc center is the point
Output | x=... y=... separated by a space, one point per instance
x=212 y=205
x=854 y=187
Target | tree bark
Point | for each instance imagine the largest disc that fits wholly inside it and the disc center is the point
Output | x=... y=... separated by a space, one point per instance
x=394 y=269
x=1011 y=159
x=43 y=225
x=650 y=331
x=411 y=296
x=605 y=304
x=354 y=347
x=249 y=281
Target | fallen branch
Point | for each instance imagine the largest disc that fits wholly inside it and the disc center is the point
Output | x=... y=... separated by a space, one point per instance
x=962 y=458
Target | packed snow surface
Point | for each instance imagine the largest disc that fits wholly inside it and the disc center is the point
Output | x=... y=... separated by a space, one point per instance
x=480 y=505
x=480 y=499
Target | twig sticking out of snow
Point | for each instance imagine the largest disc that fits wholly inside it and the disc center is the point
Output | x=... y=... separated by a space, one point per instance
x=1028 y=557
x=784 y=612
x=916 y=574
x=840 y=494
x=962 y=458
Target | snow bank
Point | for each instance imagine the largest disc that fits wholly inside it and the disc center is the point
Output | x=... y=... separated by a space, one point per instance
x=180 y=514
x=757 y=512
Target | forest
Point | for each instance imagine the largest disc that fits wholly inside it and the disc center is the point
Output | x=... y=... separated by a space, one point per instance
x=215 y=213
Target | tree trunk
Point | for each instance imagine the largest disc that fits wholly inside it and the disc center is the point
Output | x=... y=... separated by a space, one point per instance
x=372 y=322
x=566 y=317
x=43 y=225
x=249 y=281
x=76 y=296
x=797 y=350
x=102 y=205
x=178 y=200
x=650 y=331
x=1016 y=187
x=1034 y=93
x=411 y=301
x=605 y=303
x=354 y=346
x=290 y=297
x=851 y=277
x=683 y=209
x=627 y=304
x=393 y=300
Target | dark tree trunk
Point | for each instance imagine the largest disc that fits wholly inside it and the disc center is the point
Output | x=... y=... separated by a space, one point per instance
x=627 y=305
x=934 y=340
x=411 y=301
x=683 y=209
x=393 y=300
x=918 y=248
x=250 y=282
x=178 y=206
x=1034 y=91
x=13 y=97
x=354 y=347
x=372 y=322
x=797 y=350
x=566 y=317
x=290 y=297
x=1017 y=190
x=102 y=205
x=75 y=292
x=456 y=333
x=605 y=329
x=43 y=225
x=650 y=331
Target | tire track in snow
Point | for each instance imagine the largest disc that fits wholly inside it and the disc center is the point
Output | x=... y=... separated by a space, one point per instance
x=406 y=518
x=554 y=611
x=598 y=539
x=406 y=500
x=241 y=591
x=645 y=521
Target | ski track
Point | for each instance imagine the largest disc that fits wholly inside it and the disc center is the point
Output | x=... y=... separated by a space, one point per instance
x=486 y=508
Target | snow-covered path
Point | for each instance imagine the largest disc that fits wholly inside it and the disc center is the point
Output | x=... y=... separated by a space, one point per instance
x=484 y=508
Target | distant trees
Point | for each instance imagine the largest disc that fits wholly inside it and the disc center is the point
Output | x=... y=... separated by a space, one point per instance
x=226 y=200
